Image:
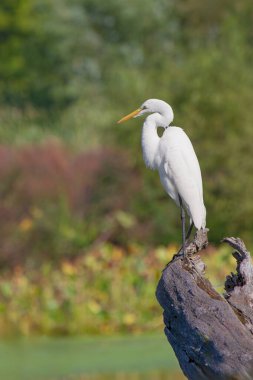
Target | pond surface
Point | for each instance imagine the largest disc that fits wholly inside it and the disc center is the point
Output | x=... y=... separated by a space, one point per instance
x=93 y=358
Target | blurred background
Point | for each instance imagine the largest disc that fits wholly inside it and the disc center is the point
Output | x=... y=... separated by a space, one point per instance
x=85 y=228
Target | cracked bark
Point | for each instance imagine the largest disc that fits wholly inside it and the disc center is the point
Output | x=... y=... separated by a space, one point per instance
x=210 y=334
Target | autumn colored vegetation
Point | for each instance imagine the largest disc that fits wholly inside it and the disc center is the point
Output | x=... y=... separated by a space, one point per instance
x=107 y=290
x=52 y=201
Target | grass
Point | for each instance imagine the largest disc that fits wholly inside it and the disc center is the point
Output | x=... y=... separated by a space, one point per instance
x=86 y=358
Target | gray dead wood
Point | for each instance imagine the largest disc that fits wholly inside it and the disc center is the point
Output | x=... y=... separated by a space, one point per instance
x=210 y=334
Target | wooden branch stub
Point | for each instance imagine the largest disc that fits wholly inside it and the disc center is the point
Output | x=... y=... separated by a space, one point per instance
x=239 y=285
x=208 y=337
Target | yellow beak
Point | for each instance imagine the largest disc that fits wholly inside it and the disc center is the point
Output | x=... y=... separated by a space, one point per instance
x=129 y=116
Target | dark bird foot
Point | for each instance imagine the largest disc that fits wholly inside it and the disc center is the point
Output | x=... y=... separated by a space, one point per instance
x=199 y=242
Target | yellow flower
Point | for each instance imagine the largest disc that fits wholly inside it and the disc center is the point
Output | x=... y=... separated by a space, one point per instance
x=129 y=319
x=26 y=224
x=94 y=307
x=68 y=268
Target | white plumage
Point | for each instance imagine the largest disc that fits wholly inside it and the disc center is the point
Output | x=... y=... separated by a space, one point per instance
x=174 y=158
x=180 y=173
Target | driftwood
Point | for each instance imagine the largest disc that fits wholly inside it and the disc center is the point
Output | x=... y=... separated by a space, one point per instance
x=212 y=335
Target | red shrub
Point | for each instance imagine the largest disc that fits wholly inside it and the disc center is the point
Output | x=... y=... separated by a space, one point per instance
x=92 y=184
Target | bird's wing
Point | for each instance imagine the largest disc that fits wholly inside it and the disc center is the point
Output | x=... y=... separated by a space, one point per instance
x=192 y=163
x=181 y=165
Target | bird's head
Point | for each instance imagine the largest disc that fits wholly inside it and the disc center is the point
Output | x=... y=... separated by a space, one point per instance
x=152 y=106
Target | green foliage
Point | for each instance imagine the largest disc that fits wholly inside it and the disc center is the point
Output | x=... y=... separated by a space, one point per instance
x=106 y=290
x=69 y=70
x=52 y=201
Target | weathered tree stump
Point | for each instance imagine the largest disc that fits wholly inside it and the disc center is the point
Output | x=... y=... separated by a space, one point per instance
x=212 y=335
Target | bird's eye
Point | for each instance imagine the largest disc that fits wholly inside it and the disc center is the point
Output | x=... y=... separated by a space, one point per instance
x=144 y=107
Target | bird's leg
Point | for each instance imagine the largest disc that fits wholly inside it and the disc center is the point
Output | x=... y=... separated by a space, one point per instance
x=180 y=253
x=183 y=223
x=189 y=231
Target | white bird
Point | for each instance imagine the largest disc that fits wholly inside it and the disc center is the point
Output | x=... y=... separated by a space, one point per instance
x=175 y=159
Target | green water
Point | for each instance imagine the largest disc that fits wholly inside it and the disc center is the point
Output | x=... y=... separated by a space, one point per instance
x=117 y=358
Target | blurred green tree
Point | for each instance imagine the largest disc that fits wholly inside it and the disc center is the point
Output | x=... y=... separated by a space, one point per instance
x=88 y=62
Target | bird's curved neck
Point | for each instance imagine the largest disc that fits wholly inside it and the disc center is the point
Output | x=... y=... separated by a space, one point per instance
x=150 y=141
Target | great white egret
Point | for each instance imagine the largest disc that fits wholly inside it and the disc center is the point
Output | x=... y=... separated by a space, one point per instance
x=175 y=159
